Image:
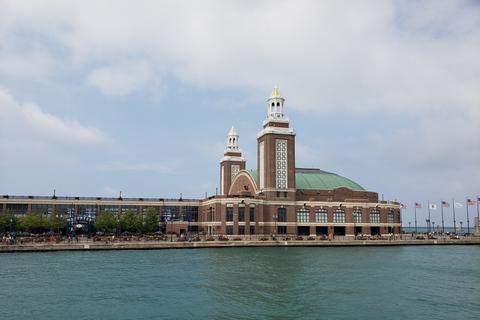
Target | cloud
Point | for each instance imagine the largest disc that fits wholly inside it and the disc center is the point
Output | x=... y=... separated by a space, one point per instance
x=121 y=79
x=28 y=122
x=333 y=56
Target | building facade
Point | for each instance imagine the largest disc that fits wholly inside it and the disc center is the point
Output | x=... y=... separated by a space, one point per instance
x=276 y=199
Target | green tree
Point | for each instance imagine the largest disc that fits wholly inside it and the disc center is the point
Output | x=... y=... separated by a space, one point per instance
x=130 y=221
x=106 y=220
x=35 y=221
x=151 y=219
x=5 y=220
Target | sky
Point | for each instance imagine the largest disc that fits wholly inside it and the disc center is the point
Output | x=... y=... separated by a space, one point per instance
x=137 y=97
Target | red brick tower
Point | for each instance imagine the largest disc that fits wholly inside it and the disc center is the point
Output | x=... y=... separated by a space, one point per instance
x=231 y=163
x=276 y=153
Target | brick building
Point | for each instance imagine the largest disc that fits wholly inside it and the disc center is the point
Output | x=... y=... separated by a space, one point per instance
x=275 y=199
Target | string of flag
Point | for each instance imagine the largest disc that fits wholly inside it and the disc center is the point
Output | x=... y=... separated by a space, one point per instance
x=445 y=204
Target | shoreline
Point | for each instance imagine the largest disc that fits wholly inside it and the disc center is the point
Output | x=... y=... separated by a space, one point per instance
x=162 y=245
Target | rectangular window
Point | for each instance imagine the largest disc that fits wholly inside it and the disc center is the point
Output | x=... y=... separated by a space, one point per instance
x=252 y=229
x=134 y=209
x=374 y=216
x=229 y=230
x=47 y=208
x=241 y=214
x=282 y=230
x=390 y=217
x=229 y=214
x=18 y=209
x=321 y=215
x=170 y=213
x=303 y=215
x=252 y=214
x=190 y=213
x=241 y=230
x=282 y=215
x=278 y=194
x=338 y=216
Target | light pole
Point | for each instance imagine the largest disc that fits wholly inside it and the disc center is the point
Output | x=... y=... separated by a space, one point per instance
x=409 y=226
x=433 y=226
x=275 y=217
x=428 y=225
x=354 y=229
x=461 y=222
x=89 y=220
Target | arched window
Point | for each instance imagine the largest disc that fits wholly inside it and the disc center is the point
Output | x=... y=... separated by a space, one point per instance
x=390 y=216
x=321 y=215
x=303 y=215
x=339 y=216
x=374 y=216
x=357 y=216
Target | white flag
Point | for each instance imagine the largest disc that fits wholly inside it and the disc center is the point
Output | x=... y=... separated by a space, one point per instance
x=458 y=205
x=433 y=207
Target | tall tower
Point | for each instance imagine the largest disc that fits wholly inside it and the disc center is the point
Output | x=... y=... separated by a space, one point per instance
x=276 y=152
x=231 y=163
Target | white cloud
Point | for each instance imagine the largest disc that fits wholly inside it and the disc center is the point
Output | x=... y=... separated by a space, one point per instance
x=110 y=192
x=29 y=122
x=120 y=79
x=333 y=56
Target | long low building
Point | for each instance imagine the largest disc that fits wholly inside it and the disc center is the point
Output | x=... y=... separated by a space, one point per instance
x=276 y=199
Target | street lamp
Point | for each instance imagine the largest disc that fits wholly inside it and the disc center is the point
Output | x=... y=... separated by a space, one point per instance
x=433 y=226
x=428 y=225
x=89 y=220
x=275 y=217
x=354 y=227
x=461 y=222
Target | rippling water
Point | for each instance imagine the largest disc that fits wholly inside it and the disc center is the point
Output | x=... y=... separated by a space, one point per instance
x=244 y=283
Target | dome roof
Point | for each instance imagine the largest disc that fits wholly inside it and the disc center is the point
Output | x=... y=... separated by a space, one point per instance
x=317 y=179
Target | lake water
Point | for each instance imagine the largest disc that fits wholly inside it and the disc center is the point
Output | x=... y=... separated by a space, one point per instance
x=405 y=282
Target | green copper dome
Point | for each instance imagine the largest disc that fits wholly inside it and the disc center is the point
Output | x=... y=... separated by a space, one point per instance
x=317 y=179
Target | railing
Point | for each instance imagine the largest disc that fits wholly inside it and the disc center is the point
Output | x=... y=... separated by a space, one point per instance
x=98 y=199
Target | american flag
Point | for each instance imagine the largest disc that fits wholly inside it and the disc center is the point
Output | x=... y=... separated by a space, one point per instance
x=418 y=205
x=470 y=202
x=403 y=206
x=445 y=204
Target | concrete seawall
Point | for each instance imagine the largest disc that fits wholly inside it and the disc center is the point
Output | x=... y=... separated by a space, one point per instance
x=85 y=245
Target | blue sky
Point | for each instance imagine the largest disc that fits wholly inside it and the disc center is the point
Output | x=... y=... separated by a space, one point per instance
x=138 y=97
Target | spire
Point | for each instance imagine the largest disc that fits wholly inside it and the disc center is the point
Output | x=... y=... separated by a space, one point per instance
x=275 y=93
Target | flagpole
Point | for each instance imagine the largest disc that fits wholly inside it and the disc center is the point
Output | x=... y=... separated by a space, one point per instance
x=428 y=224
x=468 y=219
x=415 y=205
x=443 y=226
x=454 y=225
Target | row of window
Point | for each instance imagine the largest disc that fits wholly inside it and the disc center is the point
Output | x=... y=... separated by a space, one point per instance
x=241 y=230
x=241 y=214
x=321 y=215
